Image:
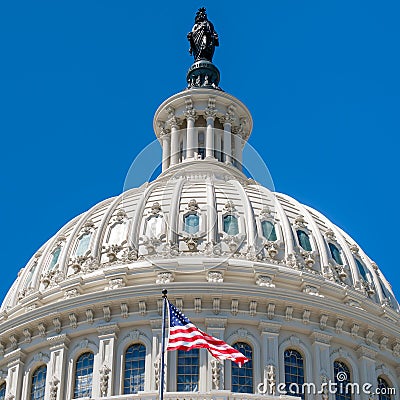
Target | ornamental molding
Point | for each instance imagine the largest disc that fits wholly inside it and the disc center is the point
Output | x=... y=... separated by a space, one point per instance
x=107 y=330
x=321 y=337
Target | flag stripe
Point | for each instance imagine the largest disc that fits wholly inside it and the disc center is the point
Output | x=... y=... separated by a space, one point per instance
x=183 y=335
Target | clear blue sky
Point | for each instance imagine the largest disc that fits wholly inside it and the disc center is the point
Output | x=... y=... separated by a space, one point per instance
x=80 y=81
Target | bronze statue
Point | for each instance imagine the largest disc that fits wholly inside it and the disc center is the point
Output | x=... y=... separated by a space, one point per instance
x=203 y=39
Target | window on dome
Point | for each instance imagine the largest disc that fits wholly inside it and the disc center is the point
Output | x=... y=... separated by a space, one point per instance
x=154 y=226
x=188 y=366
x=117 y=233
x=304 y=240
x=335 y=252
x=83 y=376
x=342 y=379
x=231 y=226
x=242 y=378
x=294 y=371
x=268 y=230
x=387 y=294
x=192 y=222
x=2 y=391
x=38 y=384
x=54 y=258
x=83 y=244
x=135 y=356
x=384 y=390
x=362 y=270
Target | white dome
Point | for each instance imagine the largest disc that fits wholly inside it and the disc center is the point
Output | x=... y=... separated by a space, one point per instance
x=144 y=228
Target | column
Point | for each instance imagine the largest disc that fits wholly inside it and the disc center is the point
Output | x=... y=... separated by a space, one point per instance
x=218 y=144
x=215 y=369
x=321 y=359
x=238 y=150
x=210 y=137
x=366 y=369
x=175 y=150
x=269 y=353
x=190 y=135
x=153 y=376
x=15 y=377
x=166 y=150
x=227 y=143
x=57 y=368
x=107 y=339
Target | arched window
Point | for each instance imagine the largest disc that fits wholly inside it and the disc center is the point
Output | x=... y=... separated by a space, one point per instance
x=294 y=372
x=38 y=385
x=83 y=244
x=268 y=230
x=187 y=374
x=242 y=378
x=3 y=391
x=154 y=226
x=304 y=240
x=385 y=391
x=335 y=252
x=83 y=376
x=231 y=226
x=135 y=356
x=342 y=379
x=54 y=258
x=192 y=222
x=362 y=270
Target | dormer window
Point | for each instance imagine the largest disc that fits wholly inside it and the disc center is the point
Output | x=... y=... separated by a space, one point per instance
x=304 y=240
x=192 y=223
x=268 y=231
x=83 y=244
x=231 y=226
x=335 y=252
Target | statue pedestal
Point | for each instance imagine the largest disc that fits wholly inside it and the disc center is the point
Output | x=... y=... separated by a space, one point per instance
x=203 y=74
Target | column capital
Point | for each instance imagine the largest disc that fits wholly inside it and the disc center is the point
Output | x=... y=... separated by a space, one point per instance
x=190 y=112
x=110 y=330
x=58 y=341
x=366 y=352
x=321 y=338
x=269 y=328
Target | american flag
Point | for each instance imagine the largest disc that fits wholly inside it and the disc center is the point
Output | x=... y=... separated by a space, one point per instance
x=183 y=335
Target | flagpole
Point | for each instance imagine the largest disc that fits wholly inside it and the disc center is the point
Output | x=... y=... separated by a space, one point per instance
x=164 y=316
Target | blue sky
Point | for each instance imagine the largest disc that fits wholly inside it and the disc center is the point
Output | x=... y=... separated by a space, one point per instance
x=80 y=81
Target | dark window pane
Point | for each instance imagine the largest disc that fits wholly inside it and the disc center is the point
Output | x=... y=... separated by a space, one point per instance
x=294 y=370
x=135 y=356
x=38 y=385
x=187 y=376
x=335 y=254
x=242 y=378
x=268 y=230
x=342 y=379
x=304 y=240
x=83 y=376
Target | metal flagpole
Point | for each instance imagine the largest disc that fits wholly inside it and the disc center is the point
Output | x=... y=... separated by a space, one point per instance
x=164 y=316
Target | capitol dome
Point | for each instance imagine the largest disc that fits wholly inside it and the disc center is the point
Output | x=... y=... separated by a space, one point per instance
x=251 y=266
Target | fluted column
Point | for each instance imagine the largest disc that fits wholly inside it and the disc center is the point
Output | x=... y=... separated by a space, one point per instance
x=154 y=374
x=210 y=112
x=166 y=150
x=55 y=379
x=238 y=150
x=215 y=368
x=107 y=340
x=321 y=358
x=175 y=150
x=269 y=351
x=15 y=377
x=367 y=370
x=218 y=144
x=191 y=141
x=227 y=143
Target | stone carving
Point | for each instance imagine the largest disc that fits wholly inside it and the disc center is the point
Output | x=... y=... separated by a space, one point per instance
x=170 y=249
x=383 y=342
x=229 y=206
x=323 y=321
x=42 y=329
x=216 y=305
x=264 y=280
x=210 y=111
x=369 y=336
x=253 y=308
x=215 y=277
x=2 y=349
x=216 y=368
x=89 y=316
x=113 y=250
x=107 y=313
x=116 y=283
x=271 y=310
x=300 y=222
x=270 y=379
x=339 y=325
x=157 y=367
x=189 y=112
x=197 y=304
x=25 y=292
x=104 y=378
x=70 y=293
x=354 y=330
x=289 y=313
x=242 y=333
x=308 y=259
x=57 y=324
x=142 y=308
x=41 y=357
x=212 y=249
x=324 y=382
x=13 y=341
x=124 y=310
x=84 y=263
x=396 y=349
x=306 y=317
x=234 y=306
x=191 y=242
x=54 y=382
x=312 y=290
x=27 y=335
x=271 y=248
x=73 y=320
x=330 y=234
